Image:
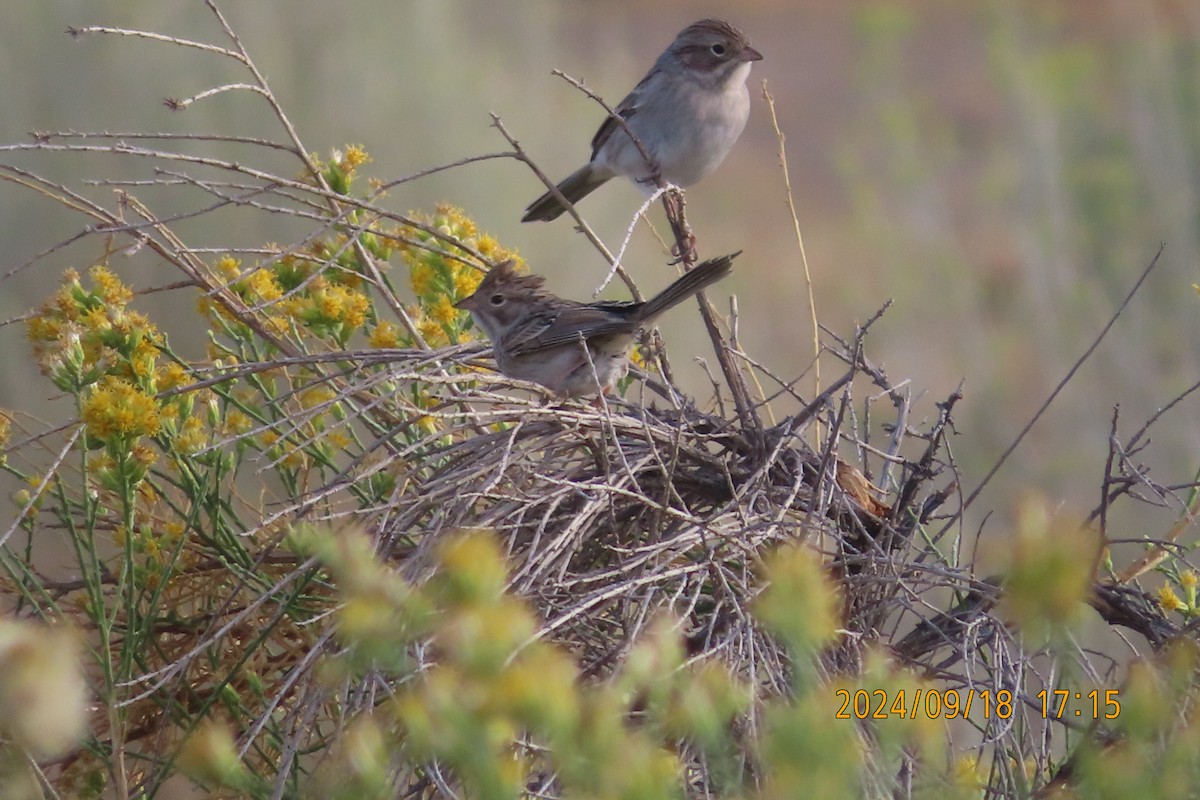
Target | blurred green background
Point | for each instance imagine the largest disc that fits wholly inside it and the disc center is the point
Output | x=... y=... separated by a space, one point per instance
x=1003 y=169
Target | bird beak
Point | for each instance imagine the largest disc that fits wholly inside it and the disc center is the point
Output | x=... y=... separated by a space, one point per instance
x=750 y=54
x=465 y=304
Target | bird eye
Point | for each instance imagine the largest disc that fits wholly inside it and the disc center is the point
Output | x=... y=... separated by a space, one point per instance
x=717 y=49
x=497 y=299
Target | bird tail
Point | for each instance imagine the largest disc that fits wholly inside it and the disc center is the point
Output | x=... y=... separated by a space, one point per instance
x=576 y=186
x=687 y=285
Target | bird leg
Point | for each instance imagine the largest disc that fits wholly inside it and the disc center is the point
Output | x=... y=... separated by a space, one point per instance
x=685 y=241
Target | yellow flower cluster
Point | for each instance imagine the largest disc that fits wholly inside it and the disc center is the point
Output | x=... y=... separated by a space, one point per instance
x=443 y=269
x=340 y=170
x=237 y=423
x=192 y=437
x=354 y=157
x=261 y=287
x=91 y=344
x=1169 y=600
x=318 y=395
x=334 y=305
x=171 y=376
x=385 y=334
x=83 y=334
x=1187 y=605
x=118 y=410
x=289 y=294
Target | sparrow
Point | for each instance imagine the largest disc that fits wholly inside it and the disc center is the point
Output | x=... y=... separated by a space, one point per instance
x=687 y=113
x=573 y=349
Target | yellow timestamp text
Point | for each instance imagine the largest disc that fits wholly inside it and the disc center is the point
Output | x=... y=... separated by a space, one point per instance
x=956 y=704
x=1095 y=704
x=924 y=703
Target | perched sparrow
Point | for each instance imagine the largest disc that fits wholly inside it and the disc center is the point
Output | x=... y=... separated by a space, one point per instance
x=687 y=113
x=540 y=337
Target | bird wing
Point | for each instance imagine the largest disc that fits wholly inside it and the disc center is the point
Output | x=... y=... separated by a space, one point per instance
x=625 y=110
x=569 y=324
x=523 y=338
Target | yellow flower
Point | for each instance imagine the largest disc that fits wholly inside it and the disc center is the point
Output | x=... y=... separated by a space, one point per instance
x=421 y=277
x=316 y=396
x=171 y=376
x=117 y=409
x=144 y=359
x=66 y=292
x=5 y=427
x=151 y=546
x=466 y=280
x=355 y=156
x=96 y=320
x=969 y=774
x=237 y=422
x=1169 y=600
x=263 y=286
x=491 y=249
x=173 y=409
x=100 y=461
x=443 y=311
x=192 y=438
x=385 y=334
x=1189 y=579
x=134 y=322
x=277 y=325
x=330 y=302
x=358 y=306
x=455 y=221
x=43 y=328
x=431 y=331
x=81 y=334
x=229 y=267
x=488 y=246
x=109 y=287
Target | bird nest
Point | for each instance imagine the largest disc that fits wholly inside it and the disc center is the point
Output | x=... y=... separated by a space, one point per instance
x=613 y=511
